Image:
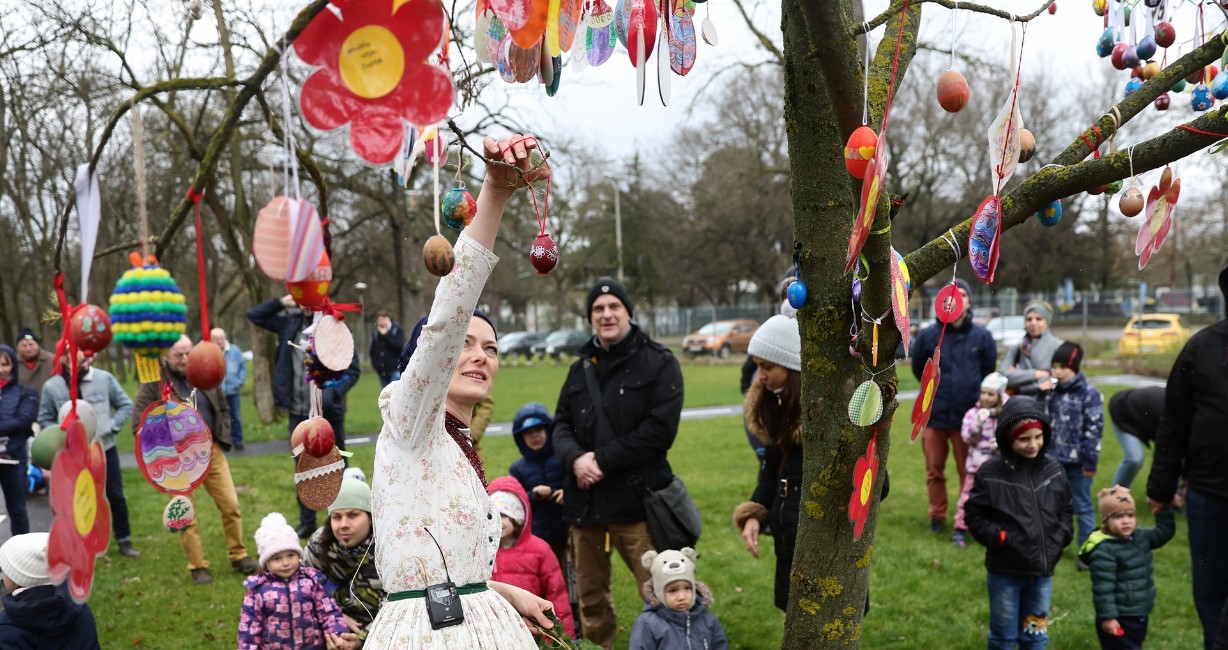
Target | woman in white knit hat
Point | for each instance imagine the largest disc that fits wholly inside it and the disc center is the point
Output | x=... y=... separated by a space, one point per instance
x=36 y=613
x=773 y=413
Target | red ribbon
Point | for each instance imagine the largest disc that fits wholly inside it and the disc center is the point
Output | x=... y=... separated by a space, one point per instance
x=66 y=344
x=195 y=197
x=335 y=309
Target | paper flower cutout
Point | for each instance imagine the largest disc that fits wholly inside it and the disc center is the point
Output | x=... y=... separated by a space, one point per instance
x=373 y=72
x=81 y=516
x=1161 y=202
x=864 y=475
x=924 y=405
x=871 y=188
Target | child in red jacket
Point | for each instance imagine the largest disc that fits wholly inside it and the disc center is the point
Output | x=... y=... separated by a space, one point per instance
x=525 y=560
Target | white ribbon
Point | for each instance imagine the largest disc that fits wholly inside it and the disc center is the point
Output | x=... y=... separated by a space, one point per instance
x=89 y=214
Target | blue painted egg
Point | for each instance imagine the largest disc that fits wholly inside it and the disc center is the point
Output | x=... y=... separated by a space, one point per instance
x=797 y=294
x=1202 y=99
x=1050 y=214
x=1146 y=47
x=1104 y=46
x=1219 y=87
x=1134 y=84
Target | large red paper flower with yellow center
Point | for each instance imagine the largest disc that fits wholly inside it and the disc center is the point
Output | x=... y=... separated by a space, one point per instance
x=373 y=72
x=81 y=516
x=864 y=475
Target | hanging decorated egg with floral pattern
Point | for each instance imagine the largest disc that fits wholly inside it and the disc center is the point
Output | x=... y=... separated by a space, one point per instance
x=544 y=254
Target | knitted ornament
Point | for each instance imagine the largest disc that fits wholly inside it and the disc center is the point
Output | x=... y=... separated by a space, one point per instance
x=458 y=207
x=148 y=314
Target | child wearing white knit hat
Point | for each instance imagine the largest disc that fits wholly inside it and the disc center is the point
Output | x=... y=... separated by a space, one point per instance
x=36 y=613
x=287 y=605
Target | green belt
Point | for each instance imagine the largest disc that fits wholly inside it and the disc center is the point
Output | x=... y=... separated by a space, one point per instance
x=464 y=590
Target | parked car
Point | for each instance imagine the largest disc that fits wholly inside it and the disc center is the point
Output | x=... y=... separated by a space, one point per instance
x=518 y=344
x=1152 y=334
x=1006 y=330
x=982 y=315
x=720 y=338
x=560 y=342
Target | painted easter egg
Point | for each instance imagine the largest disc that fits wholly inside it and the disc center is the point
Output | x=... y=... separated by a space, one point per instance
x=1162 y=102
x=48 y=442
x=1146 y=47
x=1117 y=57
x=859 y=150
x=543 y=254
x=1049 y=215
x=1166 y=34
x=796 y=294
x=206 y=366
x=1219 y=87
x=458 y=207
x=179 y=514
x=438 y=256
x=953 y=91
x=90 y=329
x=1099 y=6
x=1130 y=57
x=312 y=291
x=85 y=415
x=1027 y=145
x=1151 y=69
x=1133 y=85
x=173 y=446
x=1104 y=46
x=1131 y=202
x=318 y=436
x=1201 y=100
x=1180 y=85
x=524 y=62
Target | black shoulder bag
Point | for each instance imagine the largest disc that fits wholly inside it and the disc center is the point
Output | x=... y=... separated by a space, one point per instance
x=673 y=518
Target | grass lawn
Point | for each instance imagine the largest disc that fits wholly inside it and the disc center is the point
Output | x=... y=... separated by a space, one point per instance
x=926 y=593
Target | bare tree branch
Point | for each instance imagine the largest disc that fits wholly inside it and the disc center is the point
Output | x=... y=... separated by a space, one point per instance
x=763 y=39
x=897 y=5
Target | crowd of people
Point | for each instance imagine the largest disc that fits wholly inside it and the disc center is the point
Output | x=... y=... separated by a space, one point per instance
x=483 y=564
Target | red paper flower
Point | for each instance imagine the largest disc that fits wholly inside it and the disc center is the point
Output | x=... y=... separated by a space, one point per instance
x=81 y=516
x=864 y=475
x=925 y=399
x=374 y=72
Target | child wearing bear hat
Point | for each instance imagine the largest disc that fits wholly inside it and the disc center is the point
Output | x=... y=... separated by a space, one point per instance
x=675 y=615
x=287 y=606
x=1119 y=554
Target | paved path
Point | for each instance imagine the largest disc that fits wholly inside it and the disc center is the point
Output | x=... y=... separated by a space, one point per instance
x=40 y=516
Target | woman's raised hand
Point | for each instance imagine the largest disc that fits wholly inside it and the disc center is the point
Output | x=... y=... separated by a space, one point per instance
x=515 y=153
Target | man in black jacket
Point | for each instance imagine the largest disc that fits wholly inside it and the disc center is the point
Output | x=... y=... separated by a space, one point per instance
x=386 y=345
x=1193 y=440
x=291 y=390
x=612 y=447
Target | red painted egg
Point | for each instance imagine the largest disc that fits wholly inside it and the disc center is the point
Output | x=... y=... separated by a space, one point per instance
x=90 y=329
x=953 y=91
x=1052 y=8
x=1166 y=34
x=312 y=292
x=206 y=366
x=544 y=254
x=859 y=150
x=1162 y=102
x=319 y=438
x=1119 y=51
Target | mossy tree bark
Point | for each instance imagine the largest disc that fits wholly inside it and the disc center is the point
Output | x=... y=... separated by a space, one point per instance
x=823 y=88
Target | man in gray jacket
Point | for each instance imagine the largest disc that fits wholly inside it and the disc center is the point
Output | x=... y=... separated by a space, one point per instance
x=1026 y=363
x=112 y=408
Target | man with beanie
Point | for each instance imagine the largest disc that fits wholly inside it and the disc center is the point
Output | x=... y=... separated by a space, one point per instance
x=112 y=408
x=215 y=411
x=616 y=419
x=1193 y=440
x=1076 y=410
x=34 y=368
x=968 y=355
x=1027 y=362
x=37 y=614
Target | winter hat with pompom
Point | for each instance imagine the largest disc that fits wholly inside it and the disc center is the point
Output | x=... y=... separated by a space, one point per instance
x=274 y=536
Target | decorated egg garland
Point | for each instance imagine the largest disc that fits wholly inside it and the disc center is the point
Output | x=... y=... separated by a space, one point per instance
x=148 y=313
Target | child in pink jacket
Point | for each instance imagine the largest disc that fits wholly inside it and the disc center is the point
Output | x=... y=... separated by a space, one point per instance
x=978 y=431
x=524 y=559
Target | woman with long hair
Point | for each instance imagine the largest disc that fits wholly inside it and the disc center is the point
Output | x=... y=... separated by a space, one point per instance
x=773 y=413
x=436 y=531
x=18 y=412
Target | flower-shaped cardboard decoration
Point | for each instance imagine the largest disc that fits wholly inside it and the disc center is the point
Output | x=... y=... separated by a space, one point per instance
x=81 y=516
x=373 y=72
x=1161 y=202
x=864 y=475
x=924 y=405
x=900 y=289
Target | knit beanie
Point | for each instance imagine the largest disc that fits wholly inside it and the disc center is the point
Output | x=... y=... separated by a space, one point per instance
x=1114 y=500
x=355 y=473
x=612 y=287
x=274 y=536
x=23 y=559
x=996 y=382
x=1069 y=355
x=778 y=341
x=963 y=284
x=27 y=333
x=1042 y=309
x=1026 y=424
x=508 y=504
x=354 y=495
x=667 y=567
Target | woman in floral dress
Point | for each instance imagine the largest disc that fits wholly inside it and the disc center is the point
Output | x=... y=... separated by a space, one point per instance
x=428 y=485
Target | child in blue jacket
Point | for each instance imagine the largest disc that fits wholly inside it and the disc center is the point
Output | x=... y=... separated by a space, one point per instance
x=1076 y=412
x=540 y=474
x=676 y=614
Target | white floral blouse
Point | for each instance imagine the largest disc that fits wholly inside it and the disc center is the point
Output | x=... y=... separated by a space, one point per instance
x=423 y=480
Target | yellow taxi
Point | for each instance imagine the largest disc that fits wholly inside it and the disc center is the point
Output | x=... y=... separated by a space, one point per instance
x=1152 y=334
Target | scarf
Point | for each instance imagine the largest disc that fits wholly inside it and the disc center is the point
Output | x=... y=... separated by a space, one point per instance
x=460 y=435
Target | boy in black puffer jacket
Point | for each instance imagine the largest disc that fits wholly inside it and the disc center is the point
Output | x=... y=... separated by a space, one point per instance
x=1020 y=510
x=1119 y=555
x=540 y=474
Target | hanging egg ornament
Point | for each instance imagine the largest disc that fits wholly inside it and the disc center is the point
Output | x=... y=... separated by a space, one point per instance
x=312 y=291
x=1146 y=47
x=1219 y=87
x=1052 y=8
x=859 y=150
x=1137 y=71
x=1049 y=215
x=438 y=256
x=1104 y=46
x=1166 y=34
x=1131 y=202
x=1027 y=145
x=1117 y=57
x=1194 y=77
x=1151 y=69
x=458 y=207
x=544 y=254
x=1130 y=57
x=1180 y=85
x=1201 y=100
x=1099 y=6
x=1162 y=102
x=206 y=366
x=148 y=313
x=796 y=294
x=90 y=329
x=1134 y=84
x=953 y=91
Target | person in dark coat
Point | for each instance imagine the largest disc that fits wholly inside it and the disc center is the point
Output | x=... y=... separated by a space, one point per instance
x=1193 y=441
x=386 y=345
x=1136 y=416
x=968 y=355
x=612 y=459
x=35 y=368
x=36 y=613
x=284 y=317
x=541 y=475
x=18 y=413
x=1119 y=555
x=1020 y=510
